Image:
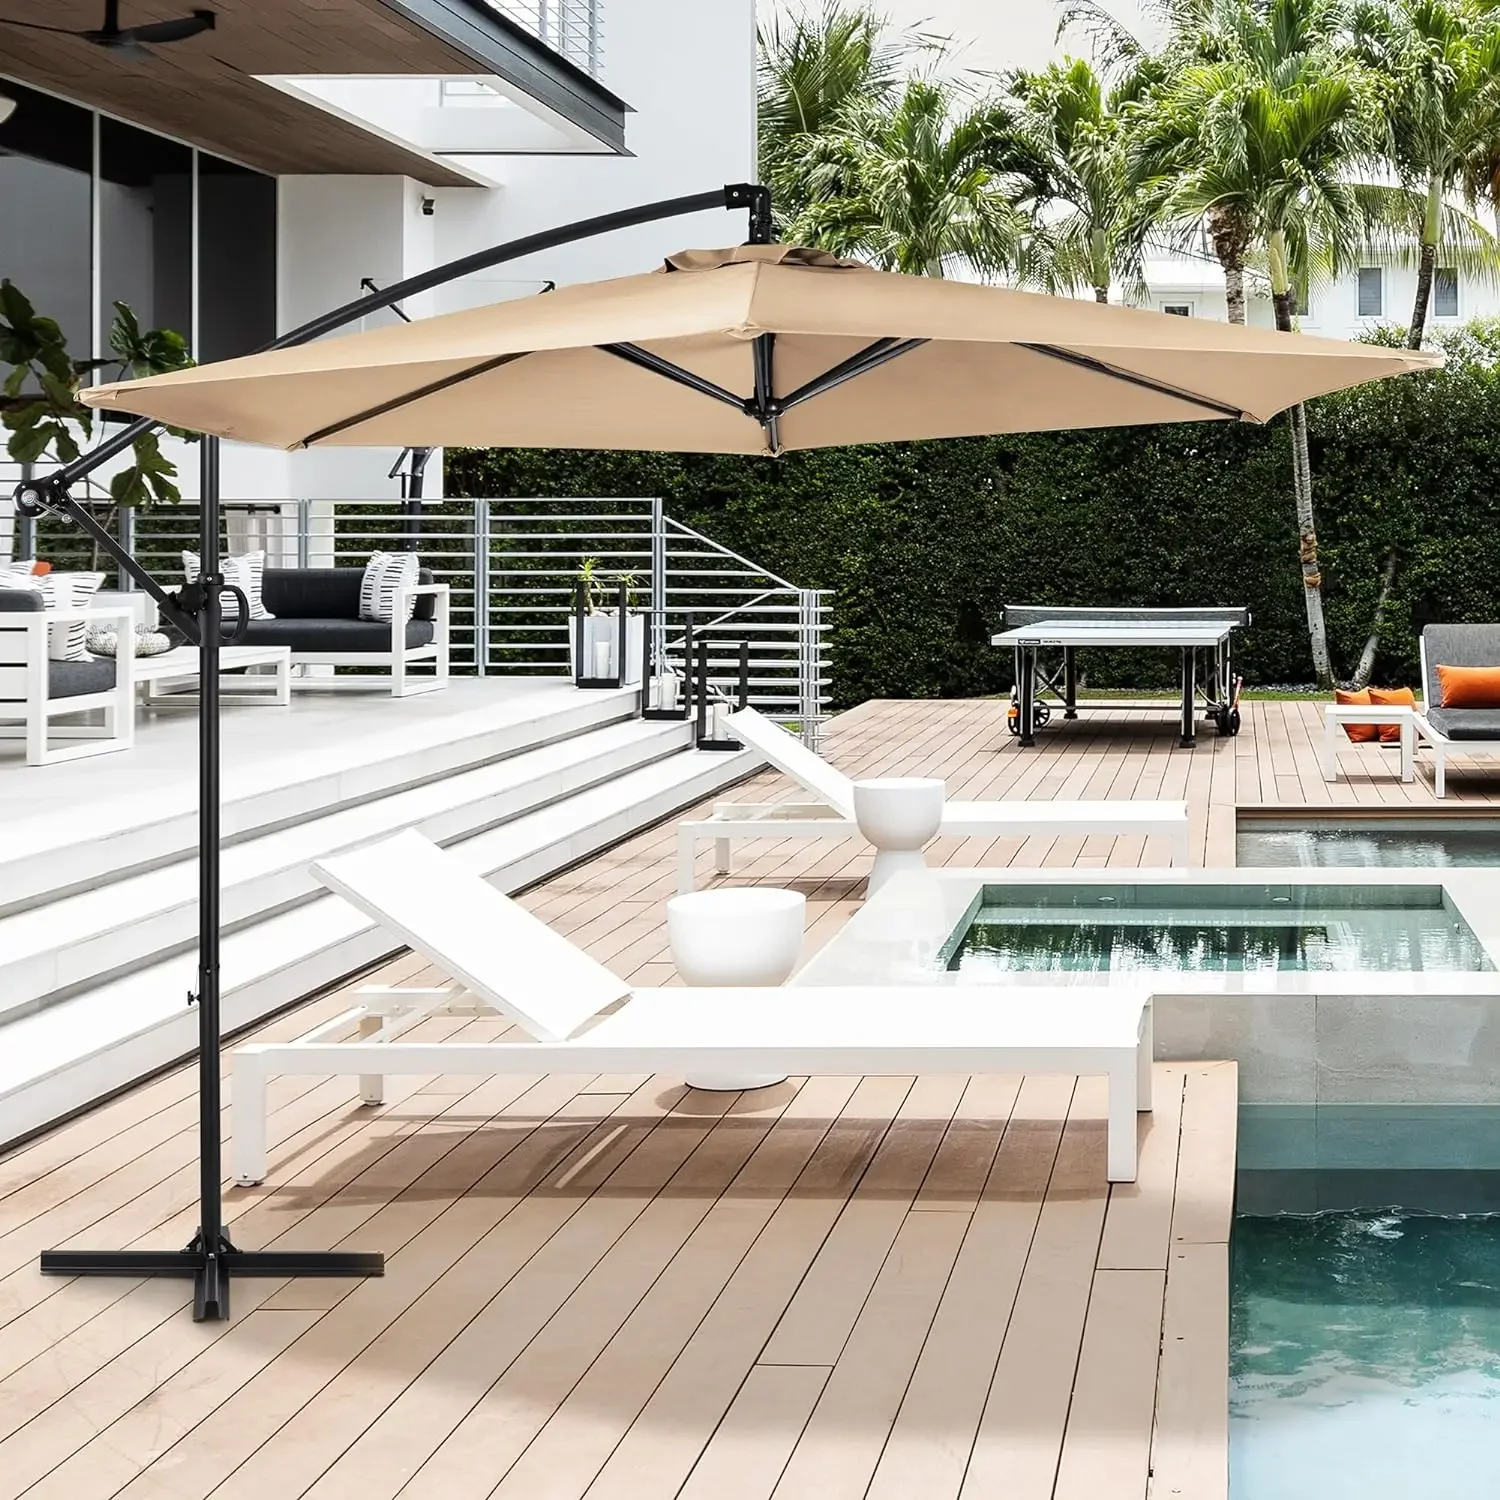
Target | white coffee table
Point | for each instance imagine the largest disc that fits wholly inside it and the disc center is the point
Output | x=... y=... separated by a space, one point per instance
x=172 y=677
x=1337 y=715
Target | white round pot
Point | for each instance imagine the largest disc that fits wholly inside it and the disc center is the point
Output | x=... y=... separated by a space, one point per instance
x=898 y=815
x=741 y=938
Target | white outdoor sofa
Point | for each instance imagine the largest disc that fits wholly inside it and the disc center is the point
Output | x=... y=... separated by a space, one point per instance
x=35 y=691
x=1456 y=731
x=831 y=816
x=587 y=1020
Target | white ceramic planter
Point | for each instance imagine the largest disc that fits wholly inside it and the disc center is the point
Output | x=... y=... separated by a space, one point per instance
x=898 y=814
x=745 y=937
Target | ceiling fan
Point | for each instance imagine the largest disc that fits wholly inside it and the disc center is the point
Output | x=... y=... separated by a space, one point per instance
x=130 y=40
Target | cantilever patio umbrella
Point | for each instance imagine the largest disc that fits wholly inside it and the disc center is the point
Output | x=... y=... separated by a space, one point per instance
x=756 y=349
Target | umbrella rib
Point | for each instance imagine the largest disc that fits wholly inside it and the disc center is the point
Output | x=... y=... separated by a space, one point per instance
x=1129 y=377
x=633 y=354
x=397 y=402
x=871 y=357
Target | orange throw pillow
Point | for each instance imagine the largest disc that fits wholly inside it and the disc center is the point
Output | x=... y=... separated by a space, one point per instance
x=1392 y=698
x=1469 y=687
x=1359 y=733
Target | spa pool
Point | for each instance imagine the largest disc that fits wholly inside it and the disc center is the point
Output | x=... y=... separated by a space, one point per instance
x=1197 y=928
x=1326 y=986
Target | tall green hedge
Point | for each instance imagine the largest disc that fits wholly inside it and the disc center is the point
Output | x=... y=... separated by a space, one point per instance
x=923 y=542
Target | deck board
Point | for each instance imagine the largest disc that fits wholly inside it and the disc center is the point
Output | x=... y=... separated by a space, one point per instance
x=607 y=1288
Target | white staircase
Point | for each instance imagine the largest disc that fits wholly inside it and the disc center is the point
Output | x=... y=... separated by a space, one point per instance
x=98 y=912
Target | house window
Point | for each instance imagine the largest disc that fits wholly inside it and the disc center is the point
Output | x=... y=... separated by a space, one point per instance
x=46 y=229
x=1445 y=292
x=236 y=259
x=145 y=229
x=97 y=211
x=1178 y=309
x=1371 y=292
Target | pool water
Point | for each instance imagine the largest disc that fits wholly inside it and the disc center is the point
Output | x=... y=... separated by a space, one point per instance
x=1358 y=843
x=1365 y=1357
x=1094 y=928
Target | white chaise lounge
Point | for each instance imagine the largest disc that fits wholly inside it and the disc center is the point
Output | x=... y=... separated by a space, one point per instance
x=831 y=815
x=587 y=1020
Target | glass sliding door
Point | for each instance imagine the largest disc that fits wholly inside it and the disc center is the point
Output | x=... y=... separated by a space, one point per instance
x=236 y=259
x=46 y=226
x=145 y=229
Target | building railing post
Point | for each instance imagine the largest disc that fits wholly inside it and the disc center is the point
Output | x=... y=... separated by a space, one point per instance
x=656 y=657
x=127 y=541
x=481 y=587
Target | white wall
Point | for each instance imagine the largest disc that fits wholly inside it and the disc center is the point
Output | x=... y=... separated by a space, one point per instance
x=688 y=68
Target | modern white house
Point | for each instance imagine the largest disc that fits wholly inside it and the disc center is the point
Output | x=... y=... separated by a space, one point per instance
x=1342 y=307
x=241 y=181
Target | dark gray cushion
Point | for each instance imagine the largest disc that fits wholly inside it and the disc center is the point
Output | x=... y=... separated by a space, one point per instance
x=1465 y=723
x=332 y=635
x=325 y=594
x=21 y=601
x=72 y=679
x=1457 y=646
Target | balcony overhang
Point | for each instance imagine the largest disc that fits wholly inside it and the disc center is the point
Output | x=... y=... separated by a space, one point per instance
x=253 y=89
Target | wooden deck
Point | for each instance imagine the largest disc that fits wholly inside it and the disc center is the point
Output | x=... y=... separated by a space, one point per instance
x=612 y=1287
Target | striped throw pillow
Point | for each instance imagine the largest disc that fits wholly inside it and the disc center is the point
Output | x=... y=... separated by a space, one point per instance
x=245 y=572
x=385 y=574
x=68 y=641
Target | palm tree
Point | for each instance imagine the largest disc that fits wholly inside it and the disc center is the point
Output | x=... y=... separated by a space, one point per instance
x=1272 y=137
x=811 y=66
x=1091 y=233
x=1441 y=61
x=934 y=181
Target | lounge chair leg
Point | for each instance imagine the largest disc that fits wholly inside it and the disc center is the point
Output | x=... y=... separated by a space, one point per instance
x=1120 y=1150
x=1439 y=778
x=721 y=856
x=687 y=854
x=371 y=1085
x=1145 y=1055
x=248 y=1116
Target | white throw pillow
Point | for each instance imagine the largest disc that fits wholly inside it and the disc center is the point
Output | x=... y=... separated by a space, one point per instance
x=68 y=641
x=246 y=572
x=385 y=573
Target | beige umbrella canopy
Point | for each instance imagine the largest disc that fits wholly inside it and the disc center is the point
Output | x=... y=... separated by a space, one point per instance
x=757 y=349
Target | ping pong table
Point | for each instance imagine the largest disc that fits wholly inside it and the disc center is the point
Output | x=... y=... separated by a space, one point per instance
x=1031 y=629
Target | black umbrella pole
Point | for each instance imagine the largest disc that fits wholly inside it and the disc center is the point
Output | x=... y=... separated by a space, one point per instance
x=211 y=1259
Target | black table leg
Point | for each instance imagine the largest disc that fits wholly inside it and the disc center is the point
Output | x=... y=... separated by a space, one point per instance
x=1026 y=692
x=1070 y=683
x=1189 y=694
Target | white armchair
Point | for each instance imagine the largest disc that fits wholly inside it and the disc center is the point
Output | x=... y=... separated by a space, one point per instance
x=35 y=691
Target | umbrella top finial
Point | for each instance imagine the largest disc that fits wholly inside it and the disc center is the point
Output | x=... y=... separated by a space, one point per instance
x=780 y=255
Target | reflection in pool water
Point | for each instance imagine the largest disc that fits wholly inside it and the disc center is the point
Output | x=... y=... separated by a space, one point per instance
x=1215 y=928
x=1365 y=1358
x=1359 y=843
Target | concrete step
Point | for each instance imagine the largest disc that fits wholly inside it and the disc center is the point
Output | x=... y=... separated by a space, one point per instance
x=51 y=950
x=116 y=820
x=58 y=1060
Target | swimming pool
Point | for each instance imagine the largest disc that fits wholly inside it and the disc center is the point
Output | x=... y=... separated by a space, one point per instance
x=1365 y=1357
x=1364 y=842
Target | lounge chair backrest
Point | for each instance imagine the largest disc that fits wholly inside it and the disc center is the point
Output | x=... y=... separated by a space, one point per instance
x=789 y=754
x=1455 y=646
x=474 y=934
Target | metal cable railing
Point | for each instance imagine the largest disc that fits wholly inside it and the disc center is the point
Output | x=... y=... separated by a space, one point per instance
x=572 y=28
x=513 y=566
